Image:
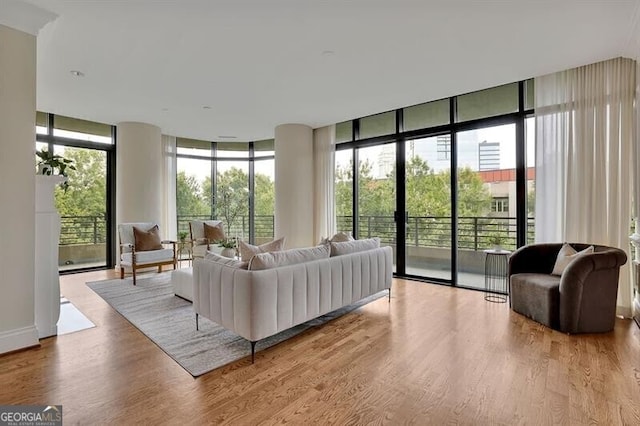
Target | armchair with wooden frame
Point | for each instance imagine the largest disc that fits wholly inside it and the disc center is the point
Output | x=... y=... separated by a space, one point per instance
x=203 y=241
x=141 y=247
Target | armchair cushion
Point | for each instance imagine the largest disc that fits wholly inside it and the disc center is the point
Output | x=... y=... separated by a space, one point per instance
x=147 y=240
x=151 y=256
x=213 y=233
x=566 y=255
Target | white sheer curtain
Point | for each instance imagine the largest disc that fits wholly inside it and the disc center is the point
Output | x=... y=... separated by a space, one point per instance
x=584 y=136
x=169 y=220
x=324 y=148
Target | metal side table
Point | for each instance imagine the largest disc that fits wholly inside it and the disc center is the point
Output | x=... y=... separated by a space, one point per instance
x=495 y=275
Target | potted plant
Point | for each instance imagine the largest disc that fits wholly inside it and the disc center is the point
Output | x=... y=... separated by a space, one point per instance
x=182 y=236
x=229 y=247
x=50 y=164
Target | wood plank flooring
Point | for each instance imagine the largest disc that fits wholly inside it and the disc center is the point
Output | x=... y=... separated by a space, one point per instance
x=433 y=355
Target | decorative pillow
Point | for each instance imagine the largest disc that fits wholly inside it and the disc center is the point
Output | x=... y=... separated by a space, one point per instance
x=346 y=247
x=339 y=237
x=288 y=257
x=566 y=255
x=247 y=251
x=214 y=232
x=234 y=263
x=147 y=240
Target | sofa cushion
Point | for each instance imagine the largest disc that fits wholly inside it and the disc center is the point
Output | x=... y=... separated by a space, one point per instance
x=338 y=237
x=214 y=233
x=566 y=255
x=288 y=257
x=347 y=247
x=247 y=251
x=536 y=296
x=146 y=240
x=234 y=263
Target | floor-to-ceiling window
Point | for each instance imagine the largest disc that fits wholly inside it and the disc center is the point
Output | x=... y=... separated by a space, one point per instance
x=228 y=181
x=85 y=204
x=447 y=179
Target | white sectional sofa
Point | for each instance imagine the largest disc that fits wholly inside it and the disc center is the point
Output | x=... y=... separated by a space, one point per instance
x=260 y=303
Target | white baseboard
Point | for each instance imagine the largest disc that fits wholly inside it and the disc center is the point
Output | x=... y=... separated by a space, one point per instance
x=19 y=338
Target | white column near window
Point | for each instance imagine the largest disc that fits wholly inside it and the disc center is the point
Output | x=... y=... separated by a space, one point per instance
x=324 y=148
x=169 y=167
x=585 y=129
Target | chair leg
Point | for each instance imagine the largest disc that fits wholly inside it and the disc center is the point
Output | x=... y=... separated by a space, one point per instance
x=197 y=325
x=121 y=273
x=389 y=294
x=133 y=270
x=159 y=268
x=253 y=352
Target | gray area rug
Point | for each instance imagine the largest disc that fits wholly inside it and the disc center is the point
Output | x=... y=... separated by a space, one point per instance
x=169 y=322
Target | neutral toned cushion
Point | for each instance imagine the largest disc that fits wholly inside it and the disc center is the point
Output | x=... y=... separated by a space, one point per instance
x=287 y=257
x=339 y=237
x=214 y=232
x=147 y=240
x=234 y=263
x=566 y=255
x=152 y=256
x=247 y=251
x=346 y=247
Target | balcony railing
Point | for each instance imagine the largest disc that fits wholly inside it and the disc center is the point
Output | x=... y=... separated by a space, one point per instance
x=240 y=227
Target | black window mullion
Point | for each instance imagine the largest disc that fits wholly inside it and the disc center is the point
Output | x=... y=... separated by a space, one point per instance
x=355 y=182
x=214 y=180
x=454 y=194
x=252 y=183
x=401 y=208
x=521 y=173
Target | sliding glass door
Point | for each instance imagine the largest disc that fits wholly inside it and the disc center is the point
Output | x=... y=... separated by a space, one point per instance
x=428 y=207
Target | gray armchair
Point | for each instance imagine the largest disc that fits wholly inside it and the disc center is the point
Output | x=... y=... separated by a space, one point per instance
x=581 y=300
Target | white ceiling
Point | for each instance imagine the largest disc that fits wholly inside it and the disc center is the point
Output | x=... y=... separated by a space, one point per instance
x=260 y=63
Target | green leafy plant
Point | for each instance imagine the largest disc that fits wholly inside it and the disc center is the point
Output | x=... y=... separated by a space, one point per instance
x=227 y=243
x=496 y=239
x=50 y=164
x=182 y=235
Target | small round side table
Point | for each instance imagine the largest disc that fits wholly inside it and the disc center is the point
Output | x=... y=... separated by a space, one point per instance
x=495 y=275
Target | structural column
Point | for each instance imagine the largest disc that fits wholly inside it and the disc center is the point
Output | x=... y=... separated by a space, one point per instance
x=294 y=184
x=17 y=188
x=139 y=174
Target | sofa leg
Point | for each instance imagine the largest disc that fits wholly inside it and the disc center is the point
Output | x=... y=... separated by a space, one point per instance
x=253 y=352
x=121 y=273
x=197 y=326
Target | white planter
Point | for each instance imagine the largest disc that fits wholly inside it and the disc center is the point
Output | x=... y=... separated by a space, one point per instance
x=47 y=282
x=228 y=252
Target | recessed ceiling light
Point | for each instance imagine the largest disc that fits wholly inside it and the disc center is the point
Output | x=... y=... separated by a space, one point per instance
x=327 y=52
x=77 y=73
x=206 y=107
x=228 y=137
x=165 y=109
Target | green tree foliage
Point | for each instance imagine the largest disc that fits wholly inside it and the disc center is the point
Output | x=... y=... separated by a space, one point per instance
x=86 y=193
x=191 y=200
x=232 y=199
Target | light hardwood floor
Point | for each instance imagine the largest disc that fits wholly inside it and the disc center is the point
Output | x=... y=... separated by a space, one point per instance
x=433 y=355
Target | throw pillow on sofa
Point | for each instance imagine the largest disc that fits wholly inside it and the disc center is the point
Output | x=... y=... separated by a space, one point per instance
x=347 y=247
x=234 y=263
x=339 y=237
x=247 y=251
x=566 y=255
x=288 y=257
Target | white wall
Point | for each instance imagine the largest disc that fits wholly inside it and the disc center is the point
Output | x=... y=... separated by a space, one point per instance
x=139 y=175
x=17 y=188
x=294 y=184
